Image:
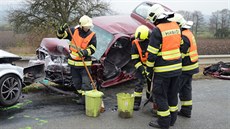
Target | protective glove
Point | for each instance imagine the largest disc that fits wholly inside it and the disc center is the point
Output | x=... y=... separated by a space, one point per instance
x=62 y=28
x=144 y=73
x=149 y=76
x=82 y=53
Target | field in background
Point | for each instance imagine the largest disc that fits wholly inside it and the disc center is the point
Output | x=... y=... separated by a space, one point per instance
x=23 y=44
x=213 y=46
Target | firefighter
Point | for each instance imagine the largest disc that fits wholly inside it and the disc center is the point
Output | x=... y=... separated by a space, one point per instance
x=139 y=57
x=82 y=45
x=164 y=61
x=189 y=65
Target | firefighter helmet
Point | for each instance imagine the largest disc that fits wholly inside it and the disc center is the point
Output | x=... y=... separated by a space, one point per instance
x=142 y=32
x=154 y=12
x=181 y=21
x=178 y=18
x=86 y=21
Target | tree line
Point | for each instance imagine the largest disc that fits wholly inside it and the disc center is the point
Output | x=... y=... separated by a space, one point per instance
x=42 y=15
x=45 y=16
x=218 y=25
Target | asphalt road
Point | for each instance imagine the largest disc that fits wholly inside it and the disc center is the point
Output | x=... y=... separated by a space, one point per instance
x=48 y=110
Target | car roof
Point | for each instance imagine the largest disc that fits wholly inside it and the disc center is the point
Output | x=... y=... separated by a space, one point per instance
x=117 y=24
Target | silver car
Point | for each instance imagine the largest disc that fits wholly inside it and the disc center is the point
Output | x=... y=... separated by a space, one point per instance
x=11 y=79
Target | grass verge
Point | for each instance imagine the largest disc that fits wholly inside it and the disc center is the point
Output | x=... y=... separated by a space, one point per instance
x=200 y=75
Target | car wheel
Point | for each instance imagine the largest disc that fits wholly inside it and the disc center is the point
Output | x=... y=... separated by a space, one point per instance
x=10 y=89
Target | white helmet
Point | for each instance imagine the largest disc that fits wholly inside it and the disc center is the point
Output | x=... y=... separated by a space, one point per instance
x=178 y=18
x=182 y=22
x=155 y=12
x=86 y=21
x=187 y=25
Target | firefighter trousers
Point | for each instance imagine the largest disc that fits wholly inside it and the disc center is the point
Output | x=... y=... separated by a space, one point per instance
x=80 y=78
x=139 y=84
x=165 y=90
x=185 y=94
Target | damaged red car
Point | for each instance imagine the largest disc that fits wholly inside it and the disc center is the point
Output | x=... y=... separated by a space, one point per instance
x=111 y=62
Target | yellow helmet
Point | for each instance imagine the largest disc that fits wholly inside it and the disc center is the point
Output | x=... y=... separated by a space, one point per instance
x=142 y=32
x=86 y=21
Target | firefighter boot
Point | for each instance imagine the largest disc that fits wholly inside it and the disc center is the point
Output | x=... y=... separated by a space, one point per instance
x=181 y=113
x=154 y=124
x=173 y=118
x=185 y=111
x=137 y=103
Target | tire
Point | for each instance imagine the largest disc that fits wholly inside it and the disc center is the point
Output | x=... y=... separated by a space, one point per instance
x=10 y=89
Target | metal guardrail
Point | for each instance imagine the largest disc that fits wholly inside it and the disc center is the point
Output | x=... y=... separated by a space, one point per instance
x=203 y=59
x=25 y=60
x=212 y=59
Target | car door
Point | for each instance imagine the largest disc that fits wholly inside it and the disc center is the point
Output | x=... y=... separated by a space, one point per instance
x=117 y=57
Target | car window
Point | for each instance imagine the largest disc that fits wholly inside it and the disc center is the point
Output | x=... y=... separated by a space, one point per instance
x=120 y=52
x=142 y=10
x=103 y=40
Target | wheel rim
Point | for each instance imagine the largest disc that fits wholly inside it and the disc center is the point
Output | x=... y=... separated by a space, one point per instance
x=10 y=89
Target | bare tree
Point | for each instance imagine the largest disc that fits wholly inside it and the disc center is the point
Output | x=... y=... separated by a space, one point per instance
x=224 y=22
x=186 y=14
x=214 y=22
x=220 y=23
x=198 y=20
x=44 y=15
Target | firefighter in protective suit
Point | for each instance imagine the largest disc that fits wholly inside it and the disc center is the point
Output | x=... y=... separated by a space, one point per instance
x=164 y=61
x=190 y=65
x=139 y=57
x=82 y=45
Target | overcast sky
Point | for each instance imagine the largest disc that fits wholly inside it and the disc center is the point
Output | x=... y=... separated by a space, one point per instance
x=205 y=6
x=126 y=6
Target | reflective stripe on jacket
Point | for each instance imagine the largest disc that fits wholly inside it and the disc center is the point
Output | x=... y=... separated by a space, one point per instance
x=79 y=63
x=144 y=56
x=79 y=42
x=156 y=63
x=171 y=39
x=193 y=48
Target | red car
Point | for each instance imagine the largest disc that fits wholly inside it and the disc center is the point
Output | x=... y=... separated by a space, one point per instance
x=112 y=60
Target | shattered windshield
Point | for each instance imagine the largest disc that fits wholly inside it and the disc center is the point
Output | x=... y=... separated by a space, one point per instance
x=103 y=40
